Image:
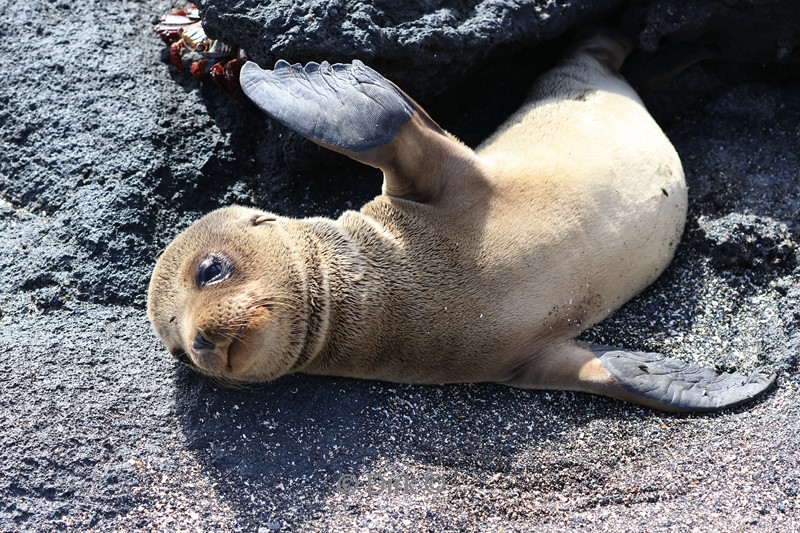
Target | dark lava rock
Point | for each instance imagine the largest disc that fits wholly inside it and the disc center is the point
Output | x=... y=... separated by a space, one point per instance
x=744 y=31
x=427 y=45
x=423 y=45
x=748 y=241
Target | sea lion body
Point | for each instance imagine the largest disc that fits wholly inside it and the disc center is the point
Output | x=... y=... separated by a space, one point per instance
x=472 y=266
x=521 y=261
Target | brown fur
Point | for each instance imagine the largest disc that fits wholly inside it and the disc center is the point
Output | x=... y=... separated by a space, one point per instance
x=472 y=266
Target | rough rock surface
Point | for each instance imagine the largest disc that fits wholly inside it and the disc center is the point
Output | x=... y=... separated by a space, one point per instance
x=424 y=45
x=413 y=43
x=106 y=153
x=748 y=241
x=745 y=31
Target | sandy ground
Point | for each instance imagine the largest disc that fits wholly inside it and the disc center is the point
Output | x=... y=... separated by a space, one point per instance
x=107 y=153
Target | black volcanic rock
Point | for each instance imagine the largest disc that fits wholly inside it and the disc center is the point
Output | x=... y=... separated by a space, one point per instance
x=428 y=45
x=747 y=241
x=745 y=31
x=423 y=45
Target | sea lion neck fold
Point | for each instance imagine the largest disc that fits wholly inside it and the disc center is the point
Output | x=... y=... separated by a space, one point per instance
x=344 y=296
x=312 y=249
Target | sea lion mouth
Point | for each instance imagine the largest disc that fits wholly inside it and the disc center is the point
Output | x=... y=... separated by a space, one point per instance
x=235 y=344
x=181 y=356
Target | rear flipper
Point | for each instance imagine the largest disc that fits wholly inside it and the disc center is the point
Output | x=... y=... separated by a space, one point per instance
x=648 y=379
x=647 y=73
x=657 y=381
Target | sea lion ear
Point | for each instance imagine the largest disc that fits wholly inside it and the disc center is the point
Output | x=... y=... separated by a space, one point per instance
x=353 y=110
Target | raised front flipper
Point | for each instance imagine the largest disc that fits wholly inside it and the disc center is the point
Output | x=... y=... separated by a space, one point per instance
x=353 y=110
x=349 y=108
x=648 y=379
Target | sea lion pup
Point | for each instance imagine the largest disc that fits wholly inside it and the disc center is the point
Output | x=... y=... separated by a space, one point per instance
x=472 y=266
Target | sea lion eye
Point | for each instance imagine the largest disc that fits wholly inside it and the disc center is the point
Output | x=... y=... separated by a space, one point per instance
x=213 y=269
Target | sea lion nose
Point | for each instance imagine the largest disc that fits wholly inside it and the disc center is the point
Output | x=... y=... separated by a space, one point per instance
x=201 y=343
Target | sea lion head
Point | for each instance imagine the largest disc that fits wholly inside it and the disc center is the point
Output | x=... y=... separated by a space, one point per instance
x=227 y=297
